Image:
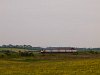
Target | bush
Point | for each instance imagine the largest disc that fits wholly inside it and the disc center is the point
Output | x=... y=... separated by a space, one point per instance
x=76 y=53
x=2 y=55
x=93 y=52
x=26 y=53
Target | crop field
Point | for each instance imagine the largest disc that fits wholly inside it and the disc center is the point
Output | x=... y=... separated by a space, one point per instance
x=51 y=64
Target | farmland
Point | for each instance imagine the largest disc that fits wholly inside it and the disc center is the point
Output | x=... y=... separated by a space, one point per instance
x=13 y=49
x=51 y=64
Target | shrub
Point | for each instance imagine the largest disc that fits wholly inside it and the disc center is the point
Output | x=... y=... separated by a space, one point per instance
x=76 y=53
x=2 y=55
x=26 y=53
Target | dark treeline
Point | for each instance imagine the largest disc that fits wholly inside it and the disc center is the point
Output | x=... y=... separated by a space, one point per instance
x=29 y=47
x=89 y=49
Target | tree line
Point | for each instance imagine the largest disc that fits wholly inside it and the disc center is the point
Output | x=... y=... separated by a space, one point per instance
x=28 y=47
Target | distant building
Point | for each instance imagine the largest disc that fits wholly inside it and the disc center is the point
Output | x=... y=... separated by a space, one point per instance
x=59 y=50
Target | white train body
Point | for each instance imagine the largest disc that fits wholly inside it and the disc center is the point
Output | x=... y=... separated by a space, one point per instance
x=58 y=51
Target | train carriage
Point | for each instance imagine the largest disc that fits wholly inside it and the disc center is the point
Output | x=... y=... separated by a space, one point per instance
x=59 y=50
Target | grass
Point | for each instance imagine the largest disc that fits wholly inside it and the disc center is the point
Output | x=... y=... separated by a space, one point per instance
x=60 y=64
x=13 y=49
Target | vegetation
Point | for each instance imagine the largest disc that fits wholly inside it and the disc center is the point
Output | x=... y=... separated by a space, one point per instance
x=51 y=64
x=28 y=47
x=59 y=64
x=15 y=61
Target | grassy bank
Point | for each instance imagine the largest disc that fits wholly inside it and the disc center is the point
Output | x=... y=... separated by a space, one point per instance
x=60 y=64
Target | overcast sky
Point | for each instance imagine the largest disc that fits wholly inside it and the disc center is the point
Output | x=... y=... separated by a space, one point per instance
x=50 y=22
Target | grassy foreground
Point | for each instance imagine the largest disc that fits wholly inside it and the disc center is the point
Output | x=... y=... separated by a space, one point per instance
x=50 y=65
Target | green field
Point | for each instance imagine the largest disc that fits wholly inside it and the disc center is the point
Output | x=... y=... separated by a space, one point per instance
x=51 y=64
x=13 y=49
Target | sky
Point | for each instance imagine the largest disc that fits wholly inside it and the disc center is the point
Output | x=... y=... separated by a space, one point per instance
x=48 y=23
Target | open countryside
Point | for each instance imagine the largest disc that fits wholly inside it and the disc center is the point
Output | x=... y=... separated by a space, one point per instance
x=12 y=62
x=49 y=37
